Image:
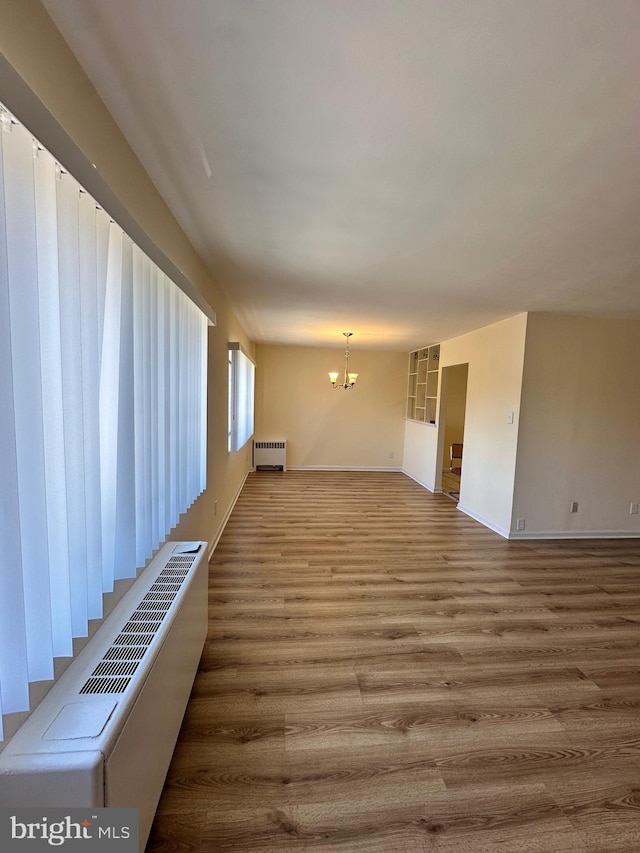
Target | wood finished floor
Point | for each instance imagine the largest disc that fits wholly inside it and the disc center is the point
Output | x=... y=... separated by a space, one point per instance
x=450 y=483
x=382 y=673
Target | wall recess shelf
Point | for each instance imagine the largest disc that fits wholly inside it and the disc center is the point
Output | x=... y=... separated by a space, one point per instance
x=423 y=384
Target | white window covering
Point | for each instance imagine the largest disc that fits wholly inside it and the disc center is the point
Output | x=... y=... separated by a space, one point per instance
x=102 y=410
x=241 y=397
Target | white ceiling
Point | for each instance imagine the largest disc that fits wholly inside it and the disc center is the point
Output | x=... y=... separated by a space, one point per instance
x=404 y=169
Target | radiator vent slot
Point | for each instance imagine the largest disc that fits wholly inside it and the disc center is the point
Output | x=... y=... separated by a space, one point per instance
x=113 y=673
x=160 y=596
x=134 y=627
x=158 y=600
x=175 y=562
x=270 y=455
x=114 y=667
x=125 y=653
x=153 y=606
x=106 y=685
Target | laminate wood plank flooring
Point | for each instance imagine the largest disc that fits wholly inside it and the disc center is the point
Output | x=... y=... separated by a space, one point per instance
x=382 y=674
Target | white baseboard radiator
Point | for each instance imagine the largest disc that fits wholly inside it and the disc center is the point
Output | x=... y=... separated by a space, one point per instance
x=270 y=455
x=105 y=733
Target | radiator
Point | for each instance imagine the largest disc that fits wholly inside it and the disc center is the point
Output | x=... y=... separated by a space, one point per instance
x=270 y=455
x=105 y=733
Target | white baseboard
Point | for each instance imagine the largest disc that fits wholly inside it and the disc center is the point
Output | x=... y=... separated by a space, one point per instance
x=220 y=530
x=502 y=531
x=420 y=482
x=574 y=534
x=343 y=468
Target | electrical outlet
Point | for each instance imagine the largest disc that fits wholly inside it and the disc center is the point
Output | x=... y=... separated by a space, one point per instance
x=215 y=507
x=520 y=524
x=633 y=509
x=574 y=506
x=391 y=454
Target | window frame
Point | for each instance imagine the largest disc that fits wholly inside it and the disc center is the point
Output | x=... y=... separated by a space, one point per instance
x=241 y=406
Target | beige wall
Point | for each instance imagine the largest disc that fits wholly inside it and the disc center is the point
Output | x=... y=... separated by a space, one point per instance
x=579 y=427
x=34 y=48
x=495 y=355
x=328 y=427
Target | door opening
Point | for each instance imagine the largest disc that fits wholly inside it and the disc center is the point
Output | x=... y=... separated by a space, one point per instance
x=452 y=416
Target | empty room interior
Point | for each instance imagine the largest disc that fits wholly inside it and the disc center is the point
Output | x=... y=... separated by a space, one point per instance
x=319 y=342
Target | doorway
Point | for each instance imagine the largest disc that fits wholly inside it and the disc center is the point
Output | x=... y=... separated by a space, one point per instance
x=452 y=414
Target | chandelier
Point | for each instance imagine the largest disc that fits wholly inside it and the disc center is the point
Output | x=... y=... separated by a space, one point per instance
x=349 y=378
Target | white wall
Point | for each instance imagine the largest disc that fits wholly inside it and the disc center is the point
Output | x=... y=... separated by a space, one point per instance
x=420 y=459
x=328 y=427
x=495 y=355
x=580 y=419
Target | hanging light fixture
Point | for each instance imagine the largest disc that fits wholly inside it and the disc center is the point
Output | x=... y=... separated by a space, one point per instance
x=349 y=378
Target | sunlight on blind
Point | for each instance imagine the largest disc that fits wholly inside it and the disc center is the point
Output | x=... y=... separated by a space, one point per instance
x=103 y=364
x=241 y=397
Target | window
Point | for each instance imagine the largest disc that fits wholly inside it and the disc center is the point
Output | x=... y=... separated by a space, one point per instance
x=241 y=396
x=102 y=410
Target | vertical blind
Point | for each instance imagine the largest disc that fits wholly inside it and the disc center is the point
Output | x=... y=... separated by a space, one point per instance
x=241 y=397
x=102 y=410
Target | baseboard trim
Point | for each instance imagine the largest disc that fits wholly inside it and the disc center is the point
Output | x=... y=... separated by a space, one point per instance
x=227 y=515
x=502 y=531
x=420 y=482
x=343 y=468
x=574 y=534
